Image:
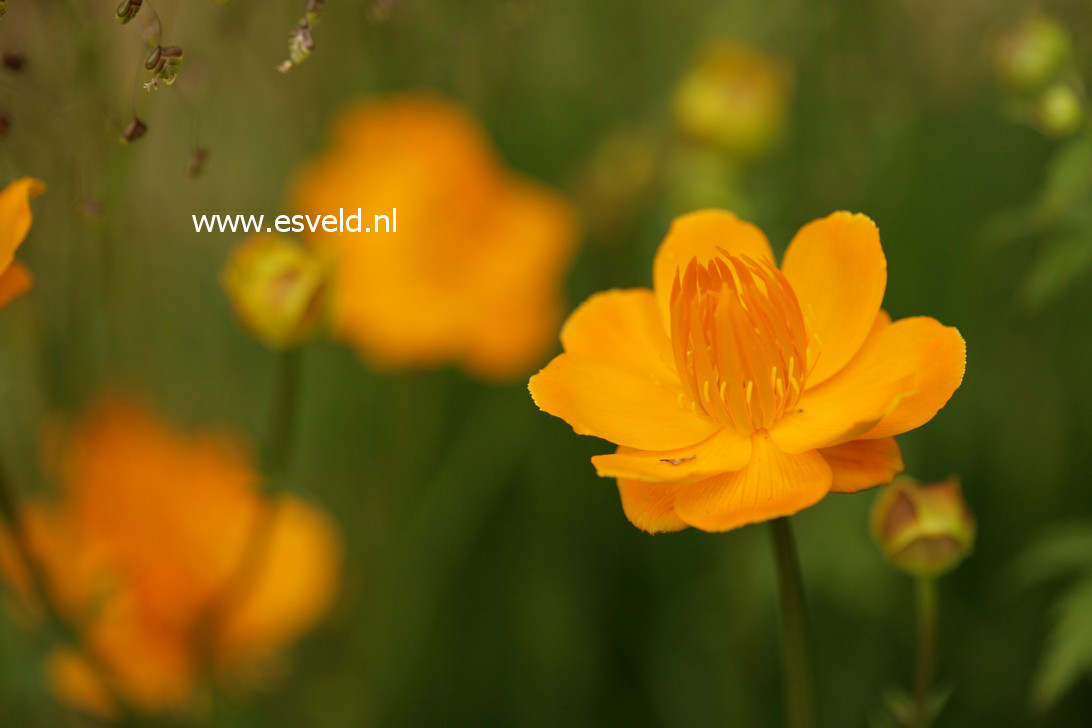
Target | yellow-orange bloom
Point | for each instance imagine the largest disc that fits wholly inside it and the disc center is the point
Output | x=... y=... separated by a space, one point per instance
x=15 y=219
x=169 y=563
x=737 y=392
x=472 y=275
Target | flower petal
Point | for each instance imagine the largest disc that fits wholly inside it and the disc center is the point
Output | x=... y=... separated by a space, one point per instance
x=650 y=506
x=15 y=215
x=623 y=328
x=600 y=399
x=773 y=484
x=861 y=464
x=725 y=451
x=905 y=372
x=14 y=282
x=838 y=271
x=702 y=235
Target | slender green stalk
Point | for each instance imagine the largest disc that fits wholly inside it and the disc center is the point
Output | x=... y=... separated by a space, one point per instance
x=282 y=426
x=799 y=693
x=926 y=598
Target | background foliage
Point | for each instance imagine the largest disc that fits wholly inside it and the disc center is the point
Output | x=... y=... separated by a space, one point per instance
x=491 y=577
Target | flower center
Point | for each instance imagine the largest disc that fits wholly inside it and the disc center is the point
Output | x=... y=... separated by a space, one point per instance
x=740 y=341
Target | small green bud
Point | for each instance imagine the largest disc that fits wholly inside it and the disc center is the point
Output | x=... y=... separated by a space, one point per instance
x=925 y=530
x=1059 y=111
x=1030 y=54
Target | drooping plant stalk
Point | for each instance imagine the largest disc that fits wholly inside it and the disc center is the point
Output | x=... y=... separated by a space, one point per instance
x=925 y=588
x=282 y=423
x=798 y=688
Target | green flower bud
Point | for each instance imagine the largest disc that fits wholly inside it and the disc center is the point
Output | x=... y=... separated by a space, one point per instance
x=1059 y=111
x=925 y=530
x=1030 y=54
x=277 y=289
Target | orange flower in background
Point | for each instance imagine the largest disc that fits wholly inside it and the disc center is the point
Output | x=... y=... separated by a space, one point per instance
x=169 y=563
x=737 y=392
x=15 y=219
x=472 y=276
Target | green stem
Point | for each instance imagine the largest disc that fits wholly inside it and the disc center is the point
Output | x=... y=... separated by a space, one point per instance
x=925 y=589
x=282 y=427
x=799 y=694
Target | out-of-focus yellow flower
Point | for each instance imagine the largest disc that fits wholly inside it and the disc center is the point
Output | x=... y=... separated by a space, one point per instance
x=1029 y=55
x=472 y=276
x=734 y=98
x=169 y=563
x=277 y=289
x=925 y=530
x=15 y=219
x=737 y=392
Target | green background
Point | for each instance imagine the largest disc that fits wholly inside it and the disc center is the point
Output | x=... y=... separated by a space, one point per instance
x=491 y=578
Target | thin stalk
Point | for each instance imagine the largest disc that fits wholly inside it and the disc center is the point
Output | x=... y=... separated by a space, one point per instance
x=925 y=592
x=799 y=693
x=282 y=426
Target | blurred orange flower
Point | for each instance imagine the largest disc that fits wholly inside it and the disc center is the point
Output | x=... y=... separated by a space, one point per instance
x=15 y=219
x=169 y=563
x=738 y=392
x=472 y=276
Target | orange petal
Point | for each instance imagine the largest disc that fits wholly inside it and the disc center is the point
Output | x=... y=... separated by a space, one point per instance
x=702 y=235
x=861 y=464
x=604 y=400
x=838 y=271
x=75 y=681
x=727 y=450
x=773 y=484
x=934 y=387
x=291 y=586
x=650 y=506
x=906 y=371
x=15 y=215
x=14 y=282
x=623 y=328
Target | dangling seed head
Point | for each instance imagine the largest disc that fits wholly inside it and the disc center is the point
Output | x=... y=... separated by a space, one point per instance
x=196 y=165
x=135 y=130
x=14 y=61
x=127 y=10
x=164 y=63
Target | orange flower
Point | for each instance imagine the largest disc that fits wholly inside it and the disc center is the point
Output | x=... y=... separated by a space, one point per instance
x=738 y=392
x=169 y=563
x=472 y=275
x=15 y=219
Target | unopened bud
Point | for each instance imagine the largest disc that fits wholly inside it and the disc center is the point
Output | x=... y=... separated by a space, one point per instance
x=1030 y=54
x=734 y=98
x=1059 y=111
x=925 y=530
x=277 y=288
x=135 y=130
x=127 y=10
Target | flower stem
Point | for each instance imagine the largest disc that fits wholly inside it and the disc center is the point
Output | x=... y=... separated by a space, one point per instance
x=282 y=426
x=799 y=697
x=925 y=589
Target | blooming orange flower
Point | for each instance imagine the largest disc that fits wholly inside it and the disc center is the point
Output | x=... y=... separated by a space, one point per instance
x=472 y=275
x=737 y=392
x=169 y=563
x=15 y=219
